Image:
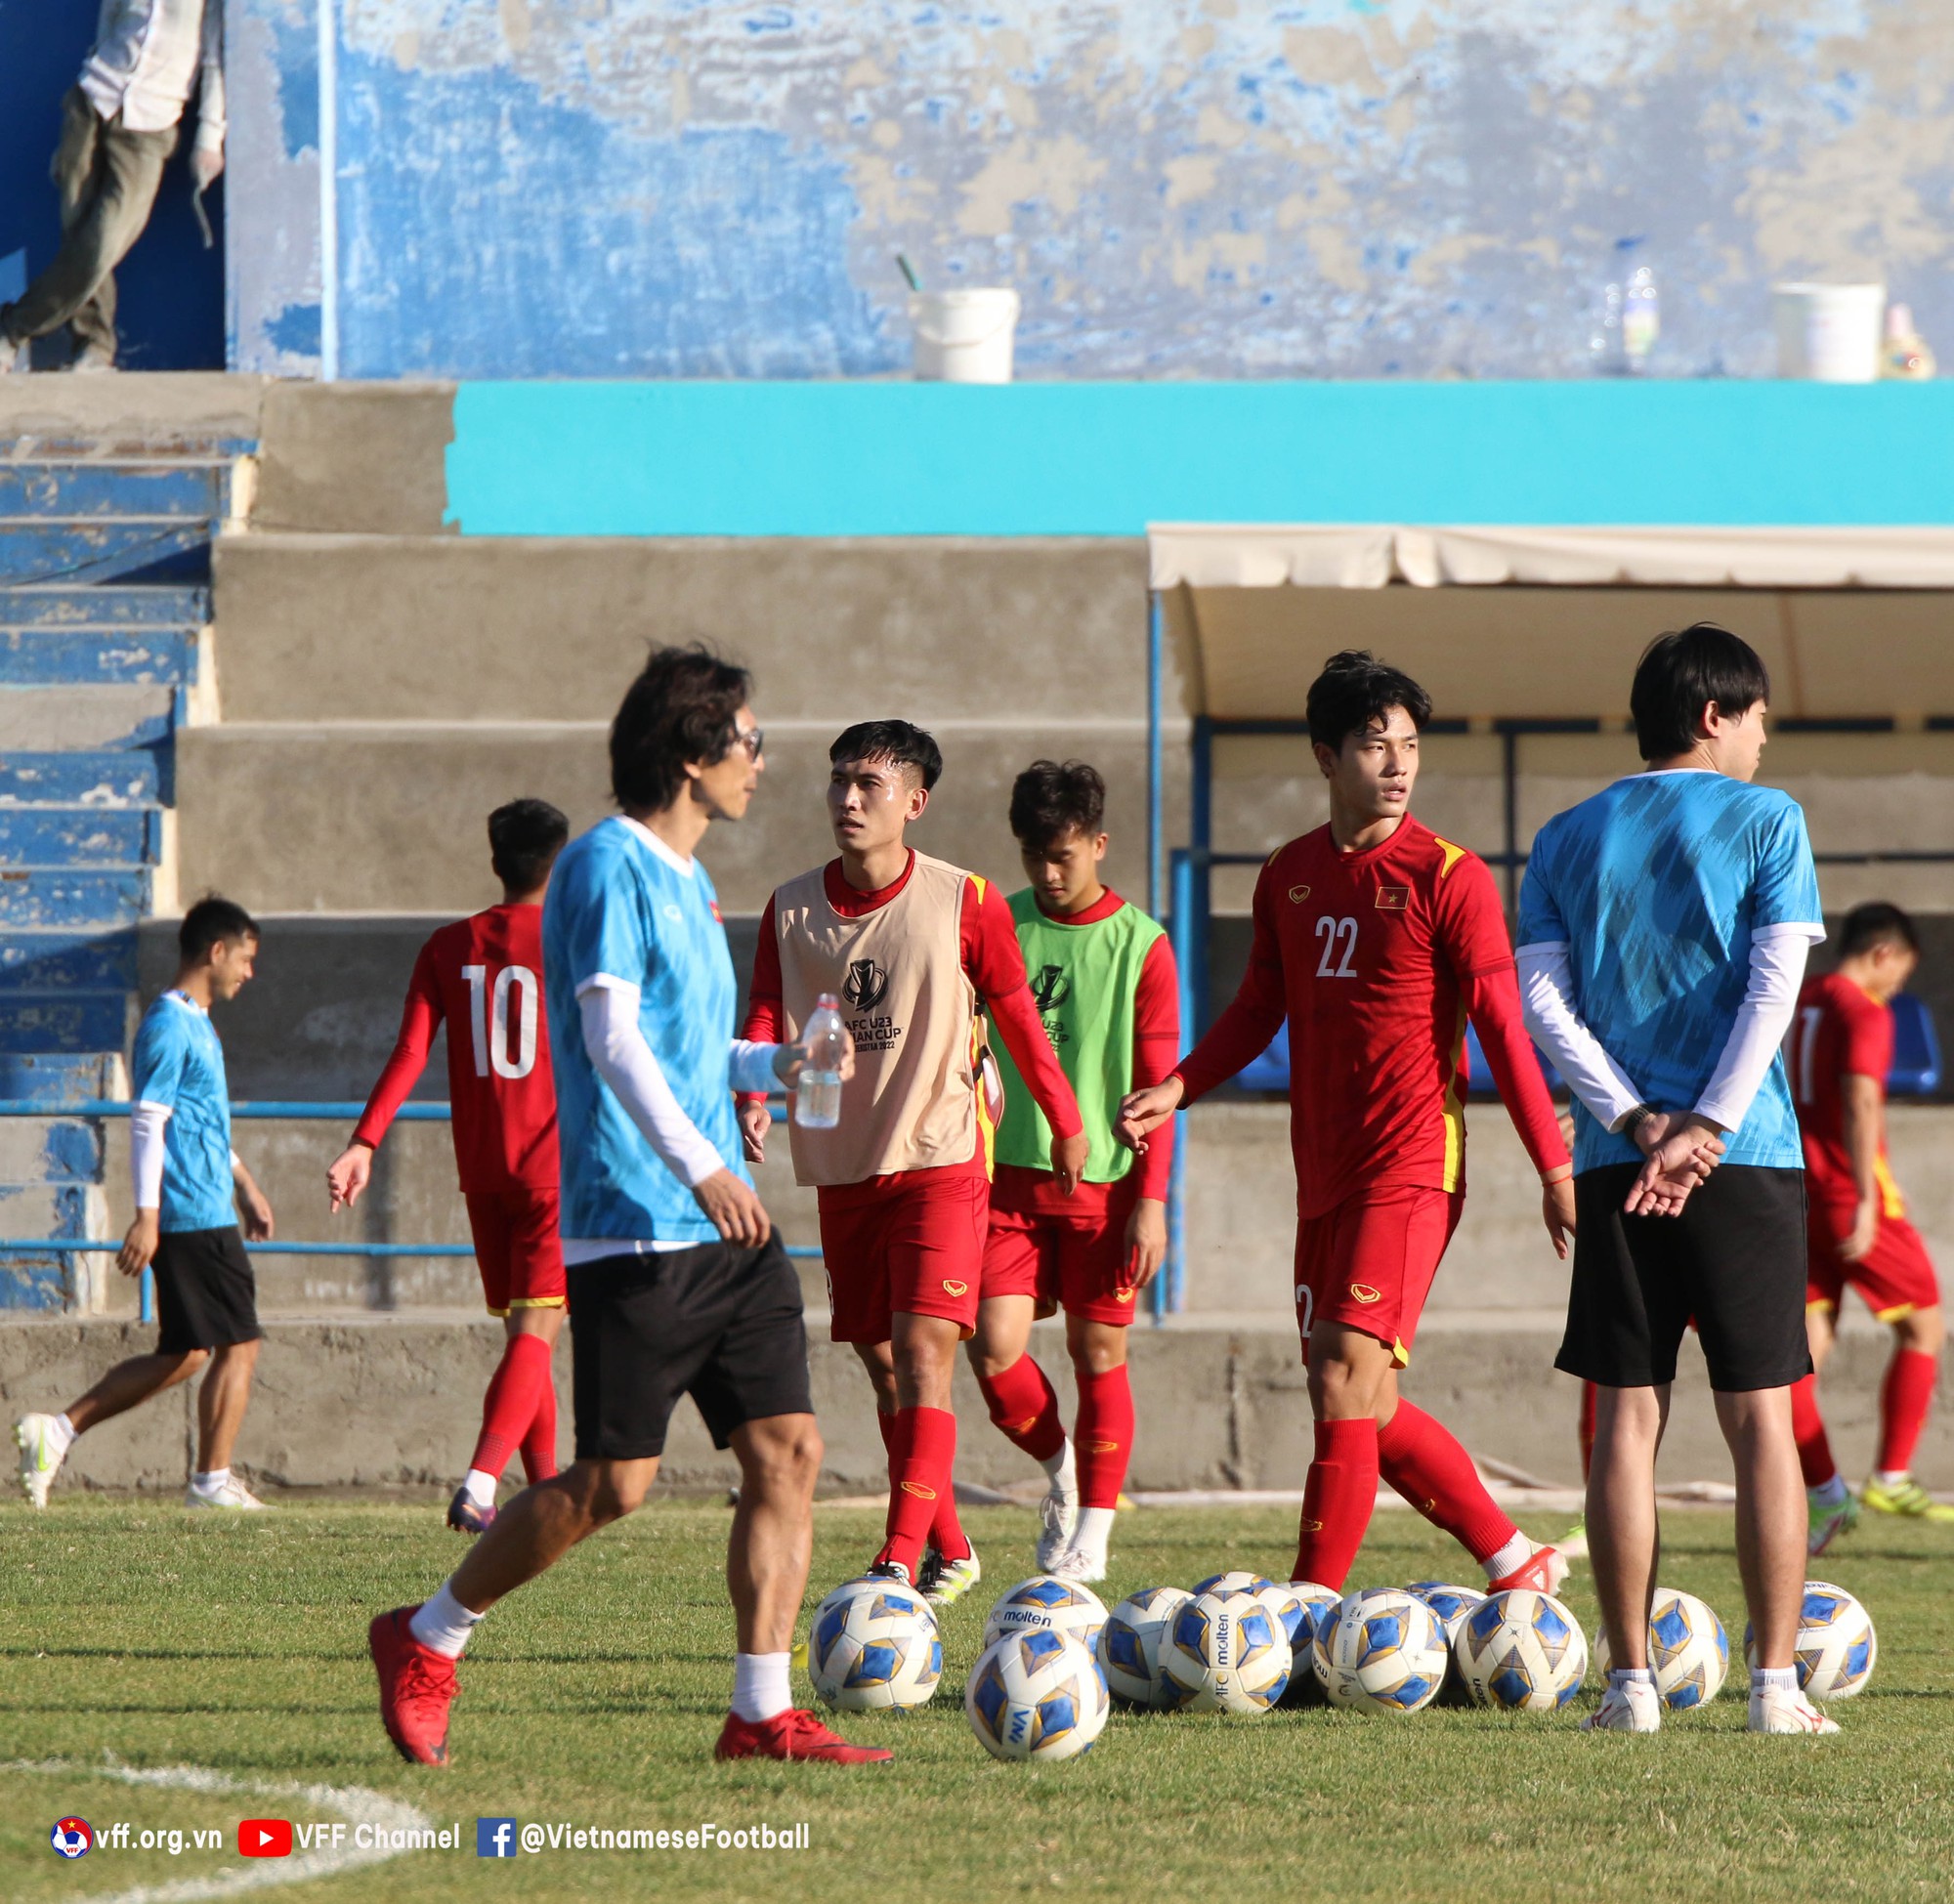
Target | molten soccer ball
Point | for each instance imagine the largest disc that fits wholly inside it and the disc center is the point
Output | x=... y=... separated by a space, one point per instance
x=1130 y=1644
x=1235 y=1583
x=1688 y=1650
x=1380 y=1651
x=1224 y=1653
x=1451 y=1605
x=1043 y=1604
x=1316 y=1604
x=1036 y=1695
x=1836 y=1647
x=873 y=1645
x=1521 y=1651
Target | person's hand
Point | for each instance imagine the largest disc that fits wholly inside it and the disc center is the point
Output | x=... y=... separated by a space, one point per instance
x=1556 y=1208
x=348 y=1175
x=139 y=1246
x=736 y=1210
x=790 y=1060
x=1144 y=1111
x=1680 y=1152
x=1146 y=1244
x=1864 y=1233
x=256 y=1211
x=205 y=163
x=756 y=1119
x=1068 y=1162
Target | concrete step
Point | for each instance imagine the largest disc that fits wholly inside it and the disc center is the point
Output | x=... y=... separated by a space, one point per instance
x=70 y=653
x=64 y=1021
x=80 y=836
x=54 y=897
x=127 y=776
x=67 y=961
x=74 y=488
x=62 y=1077
x=50 y=1150
x=39 y=720
x=52 y=550
x=48 y=1209
x=130 y=606
x=134 y=412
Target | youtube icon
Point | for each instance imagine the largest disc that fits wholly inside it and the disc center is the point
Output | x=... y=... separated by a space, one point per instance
x=265 y=1837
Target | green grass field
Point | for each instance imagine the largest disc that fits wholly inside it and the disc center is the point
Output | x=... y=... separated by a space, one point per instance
x=134 y=1636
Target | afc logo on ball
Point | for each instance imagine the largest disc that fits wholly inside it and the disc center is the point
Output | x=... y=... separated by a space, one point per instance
x=72 y=1838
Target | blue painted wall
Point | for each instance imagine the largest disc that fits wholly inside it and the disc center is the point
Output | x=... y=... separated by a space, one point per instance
x=171 y=314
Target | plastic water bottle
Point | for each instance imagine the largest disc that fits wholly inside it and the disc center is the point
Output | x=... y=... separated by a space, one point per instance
x=818 y=1095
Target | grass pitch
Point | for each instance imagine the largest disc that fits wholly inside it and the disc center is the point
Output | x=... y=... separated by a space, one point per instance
x=135 y=1635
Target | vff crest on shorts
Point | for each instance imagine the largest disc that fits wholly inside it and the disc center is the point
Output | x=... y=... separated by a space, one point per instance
x=1075 y=1261
x=517 y=1247
x=1369 y=1262
x=1896 y=1278
x=917 y=1249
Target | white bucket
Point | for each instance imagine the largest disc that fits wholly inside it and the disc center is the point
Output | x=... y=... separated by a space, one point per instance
x=964 y=337
x=1828 y=333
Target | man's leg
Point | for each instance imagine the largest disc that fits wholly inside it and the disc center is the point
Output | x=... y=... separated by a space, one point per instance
x=1770 y=1530
x=1906 y=1397
x=1348 y=1373
x=1103 y=1436
x=220 y=1406
x=513 y=1402
x=925 y=1453
x=130 y=1384
x=1622 y=1535
x=1022 y=1402
x=767 y=1555
x=1829 y=1507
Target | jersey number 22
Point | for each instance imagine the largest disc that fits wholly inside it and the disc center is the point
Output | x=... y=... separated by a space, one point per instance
x=1335 y=934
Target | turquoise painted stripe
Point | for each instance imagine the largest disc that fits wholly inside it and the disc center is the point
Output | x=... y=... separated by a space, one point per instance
x=904 y=458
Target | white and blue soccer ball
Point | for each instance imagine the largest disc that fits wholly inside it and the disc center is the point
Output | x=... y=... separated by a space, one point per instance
x=1224 y=1653
x=1036 y=1695
x=1521 y=1651
x=1837 y=1645
x=1237 y=1582
x=1688 y=1650
x=1046 y=1604
x=1313 y=1603
x=1450 y=1603
x=1130 y=1644
x=1380 y=1651
x=874 y=1646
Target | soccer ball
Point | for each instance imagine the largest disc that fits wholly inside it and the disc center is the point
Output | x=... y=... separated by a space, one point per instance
x=1224 y=1653
x=873 y=1645
x=1521 y=1651
x=1451 y=1605
x=1043 y=1604
x=1836 y=1647
x=1688 y=1650
x=1315 y=1603
x=1292 y=1610
x=1235 y=1583
x=1380 y=1651
x=1130 y=1644
x=1036 y=1695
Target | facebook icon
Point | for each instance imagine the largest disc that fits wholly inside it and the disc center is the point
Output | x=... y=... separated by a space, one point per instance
x=494 y=1838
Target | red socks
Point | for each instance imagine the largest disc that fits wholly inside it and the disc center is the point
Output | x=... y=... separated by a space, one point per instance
x=539 y=1442
x=1421 y=1459
x=1025 y=1408
x=1807 y=1427
x=1103 y=1441
x=922 y=1461
x=1906 y=1396
x=509 y=1411
x=1336 y=1501
x=946 y=1531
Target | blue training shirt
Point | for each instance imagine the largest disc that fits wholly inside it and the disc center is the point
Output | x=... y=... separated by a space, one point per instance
x=618 y=907
x=1656 y=885
x=179 y=1066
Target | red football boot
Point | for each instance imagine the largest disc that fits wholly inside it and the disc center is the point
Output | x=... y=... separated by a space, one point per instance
x=416 y=1688
x=1542 y=1572
x=792 y=1734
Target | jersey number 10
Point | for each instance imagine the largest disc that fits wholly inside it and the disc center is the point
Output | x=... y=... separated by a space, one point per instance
x=490 y=1020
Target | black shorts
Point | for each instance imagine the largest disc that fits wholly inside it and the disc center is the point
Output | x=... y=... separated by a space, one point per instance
x=206 y=1296
x=718 y=1323
x=1733 y=1263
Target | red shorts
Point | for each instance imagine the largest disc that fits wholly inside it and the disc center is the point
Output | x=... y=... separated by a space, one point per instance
x=1061 y=1259
x=916 y=1251
x=516 y=1248
x=1369 y=1264
x=1896 y=1278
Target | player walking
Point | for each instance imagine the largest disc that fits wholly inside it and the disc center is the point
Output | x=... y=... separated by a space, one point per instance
x=484 y=977
x=1102 y=976
x=912 y=947
x=1856 y=1231
x=677 y=1284
x=1664 y=927
x=191 y=1186
x=1378 y=940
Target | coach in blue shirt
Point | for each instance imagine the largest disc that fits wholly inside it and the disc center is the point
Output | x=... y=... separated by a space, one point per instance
x=1663 y=932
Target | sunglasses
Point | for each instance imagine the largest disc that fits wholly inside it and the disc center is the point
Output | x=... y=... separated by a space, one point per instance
x=752 y=739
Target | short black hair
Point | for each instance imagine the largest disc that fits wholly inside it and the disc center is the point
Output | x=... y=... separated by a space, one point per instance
x=1049 y=801
x=683 y=707
x=525 y=838
x=1355 y=692
x=901 y=741
x=213 y=921
x=1879 y=923
x=1680 y=674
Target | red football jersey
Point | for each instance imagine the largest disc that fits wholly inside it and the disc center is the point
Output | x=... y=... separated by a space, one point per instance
x=1375 y=957
x=1838 y=1029
x=484 y=976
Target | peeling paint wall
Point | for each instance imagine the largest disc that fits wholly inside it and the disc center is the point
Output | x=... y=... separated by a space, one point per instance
x=1177 y=187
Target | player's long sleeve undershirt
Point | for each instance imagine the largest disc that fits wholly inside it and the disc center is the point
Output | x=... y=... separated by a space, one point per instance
x=1547 y=992
x=147 y=1153
x=1492 y=1000
x=1770 y=999
x=420 y=1019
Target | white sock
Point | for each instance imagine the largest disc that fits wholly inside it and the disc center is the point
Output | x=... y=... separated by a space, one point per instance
x=444 y=1624
x=1094 y=1530
x=481 y=1486
x=210 y=1482
x=1886 y=1477
x=1620 y=1676
x=1829 y=1493
x=1516 y=1553
x=1063 y=1467
x=1773 y=1678
x=761 y=1687
x=62 y=1436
